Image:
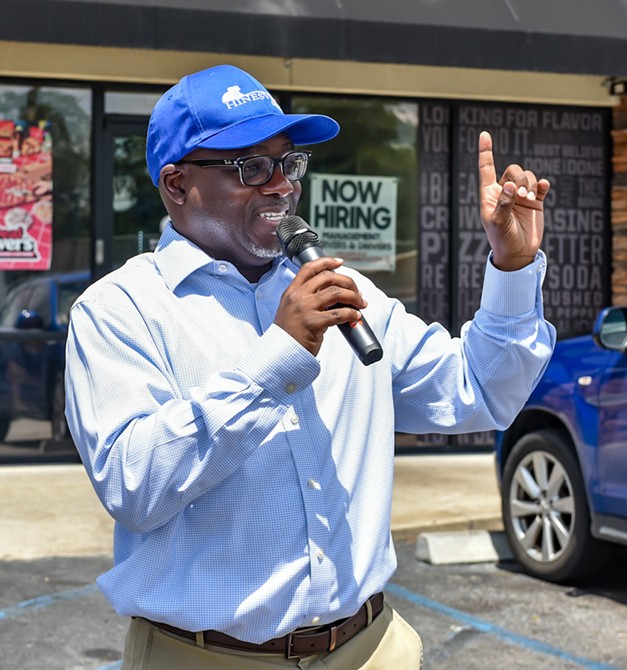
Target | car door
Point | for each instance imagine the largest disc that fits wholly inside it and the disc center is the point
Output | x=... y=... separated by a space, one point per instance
x=21 y=351
x=611 y=483
x=11 y=360
x=33 y=324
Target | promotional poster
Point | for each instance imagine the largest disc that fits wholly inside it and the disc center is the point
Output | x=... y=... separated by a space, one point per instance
x=25 y=195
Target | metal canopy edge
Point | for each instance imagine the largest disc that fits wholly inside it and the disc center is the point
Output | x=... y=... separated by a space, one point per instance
x=565 y=36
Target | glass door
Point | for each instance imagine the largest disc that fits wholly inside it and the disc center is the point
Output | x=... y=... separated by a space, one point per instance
x=137 y=207
x=134 y=213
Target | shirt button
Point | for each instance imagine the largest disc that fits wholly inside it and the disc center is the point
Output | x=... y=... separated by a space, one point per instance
x=222 y=267
x=294 y=420
x=313 y=484
x=315 y=620
x=290 y=388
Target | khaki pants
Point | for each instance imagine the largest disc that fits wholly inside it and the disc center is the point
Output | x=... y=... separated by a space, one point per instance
x=388 y=643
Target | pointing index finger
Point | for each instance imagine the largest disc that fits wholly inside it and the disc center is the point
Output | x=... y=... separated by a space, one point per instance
x=487 y=171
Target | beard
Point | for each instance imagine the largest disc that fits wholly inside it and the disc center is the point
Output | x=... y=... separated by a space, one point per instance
x=266 y=252
x=213 y=233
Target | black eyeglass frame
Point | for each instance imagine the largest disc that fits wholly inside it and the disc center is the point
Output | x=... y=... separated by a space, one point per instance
x=239 y=164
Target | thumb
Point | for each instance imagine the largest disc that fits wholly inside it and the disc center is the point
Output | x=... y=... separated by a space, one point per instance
x=505 y=203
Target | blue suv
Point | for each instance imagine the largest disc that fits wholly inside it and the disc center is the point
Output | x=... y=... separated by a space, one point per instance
x=562 y=465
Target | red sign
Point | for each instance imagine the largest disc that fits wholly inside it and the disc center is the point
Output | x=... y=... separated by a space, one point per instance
x=25 y=195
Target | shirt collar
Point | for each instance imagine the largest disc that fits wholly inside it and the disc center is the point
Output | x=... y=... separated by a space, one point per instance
x=176 y=257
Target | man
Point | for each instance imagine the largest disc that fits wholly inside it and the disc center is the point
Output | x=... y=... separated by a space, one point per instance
x=244 y=451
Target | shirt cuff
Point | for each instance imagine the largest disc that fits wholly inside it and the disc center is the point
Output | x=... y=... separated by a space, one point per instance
x=280 y=365
x=513 y=293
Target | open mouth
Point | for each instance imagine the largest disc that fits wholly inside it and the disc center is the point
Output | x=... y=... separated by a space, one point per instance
x=274 y=217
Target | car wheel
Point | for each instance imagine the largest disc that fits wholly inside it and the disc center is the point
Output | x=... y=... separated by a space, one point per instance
x=545 y=510
x=57 y=415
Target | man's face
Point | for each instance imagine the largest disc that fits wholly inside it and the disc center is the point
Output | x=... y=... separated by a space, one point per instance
x=234 y=222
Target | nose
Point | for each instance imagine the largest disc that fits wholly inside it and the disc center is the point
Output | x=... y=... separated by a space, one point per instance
x=279 y=184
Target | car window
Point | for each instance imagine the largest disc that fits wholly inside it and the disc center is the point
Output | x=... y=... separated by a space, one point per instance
x=16 y=302
x=39 y=302
x=614 y=329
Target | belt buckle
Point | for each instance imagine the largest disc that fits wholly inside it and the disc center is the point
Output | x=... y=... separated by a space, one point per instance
x=333 y=640
x=288 y=647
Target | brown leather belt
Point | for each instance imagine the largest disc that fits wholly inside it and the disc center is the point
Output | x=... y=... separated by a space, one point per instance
x=299 y=643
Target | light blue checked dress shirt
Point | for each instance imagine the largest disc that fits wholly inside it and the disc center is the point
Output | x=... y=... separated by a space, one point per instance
x=250 y=481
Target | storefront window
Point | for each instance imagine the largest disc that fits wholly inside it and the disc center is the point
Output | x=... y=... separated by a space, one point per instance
x=567 y=145
x=45 y=154
x=361 y=192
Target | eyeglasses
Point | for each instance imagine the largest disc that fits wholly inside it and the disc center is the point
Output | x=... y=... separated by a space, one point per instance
x=258 y=170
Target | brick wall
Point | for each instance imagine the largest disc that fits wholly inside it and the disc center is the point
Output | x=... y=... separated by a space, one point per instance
x=619 y=203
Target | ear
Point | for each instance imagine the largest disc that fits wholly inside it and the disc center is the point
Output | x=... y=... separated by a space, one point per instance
x=172 y=184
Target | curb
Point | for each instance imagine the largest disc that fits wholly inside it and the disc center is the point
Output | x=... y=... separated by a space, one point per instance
x=411 y=532
x=471 y=546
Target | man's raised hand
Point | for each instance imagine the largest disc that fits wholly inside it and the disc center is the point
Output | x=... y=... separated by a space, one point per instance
x=512 y=209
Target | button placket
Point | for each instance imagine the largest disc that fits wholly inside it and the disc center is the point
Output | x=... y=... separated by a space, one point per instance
x=322 y=570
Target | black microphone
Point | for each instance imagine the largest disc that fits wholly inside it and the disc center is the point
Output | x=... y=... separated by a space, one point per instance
x=301 y=244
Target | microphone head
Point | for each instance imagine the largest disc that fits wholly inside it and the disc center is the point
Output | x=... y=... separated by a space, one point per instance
x=295 y=235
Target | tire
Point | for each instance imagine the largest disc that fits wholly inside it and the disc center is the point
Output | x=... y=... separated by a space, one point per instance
x=59 y=425
x=545 y=510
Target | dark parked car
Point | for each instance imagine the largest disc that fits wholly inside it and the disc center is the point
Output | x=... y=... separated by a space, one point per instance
x=33 y=330
x=562 y=465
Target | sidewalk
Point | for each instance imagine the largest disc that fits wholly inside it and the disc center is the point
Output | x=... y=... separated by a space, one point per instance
x=51 y=510
x=447 y=492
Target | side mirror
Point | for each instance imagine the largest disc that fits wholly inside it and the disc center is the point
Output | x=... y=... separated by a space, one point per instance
x=29 y=320
x=610 y=328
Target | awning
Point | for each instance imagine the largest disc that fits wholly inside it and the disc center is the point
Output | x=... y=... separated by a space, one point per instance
x=565 y=36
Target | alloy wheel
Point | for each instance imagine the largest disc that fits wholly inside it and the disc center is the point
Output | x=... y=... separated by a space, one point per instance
x=542 y=506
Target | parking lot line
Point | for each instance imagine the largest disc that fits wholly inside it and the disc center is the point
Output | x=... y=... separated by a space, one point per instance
x=47 y=600
x=393 y=589
x=487 y=627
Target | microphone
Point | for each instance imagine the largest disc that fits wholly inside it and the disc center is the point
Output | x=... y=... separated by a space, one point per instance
x=301 y=244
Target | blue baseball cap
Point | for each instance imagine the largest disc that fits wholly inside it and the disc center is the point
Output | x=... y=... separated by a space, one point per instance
x=223 y=107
